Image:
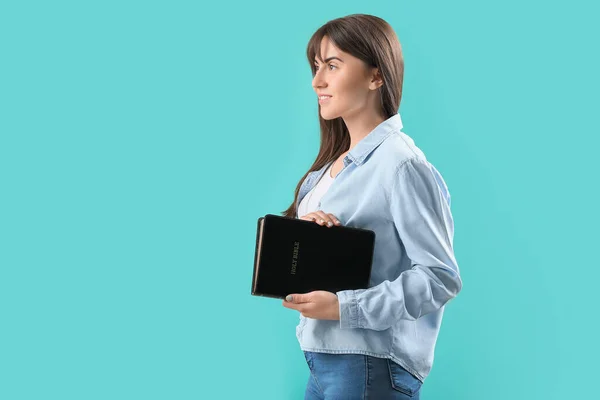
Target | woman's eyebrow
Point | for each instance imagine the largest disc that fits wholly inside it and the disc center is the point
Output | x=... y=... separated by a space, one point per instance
x=331 y=58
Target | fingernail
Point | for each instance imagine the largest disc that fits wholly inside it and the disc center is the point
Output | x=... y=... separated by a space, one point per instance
x=289 y=298
x=329 y=224
x=322 y=220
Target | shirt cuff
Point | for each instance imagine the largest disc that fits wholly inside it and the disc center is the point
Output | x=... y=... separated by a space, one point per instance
x=348 y=309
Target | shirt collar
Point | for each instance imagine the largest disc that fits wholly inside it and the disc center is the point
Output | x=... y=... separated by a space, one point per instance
x=367 y=144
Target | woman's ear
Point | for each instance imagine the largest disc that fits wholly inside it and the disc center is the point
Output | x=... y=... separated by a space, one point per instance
x=376 y=79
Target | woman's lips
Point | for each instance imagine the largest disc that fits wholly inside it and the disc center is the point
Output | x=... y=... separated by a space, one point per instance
x=324 y=100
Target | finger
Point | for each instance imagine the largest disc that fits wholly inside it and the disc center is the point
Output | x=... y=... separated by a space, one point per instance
x=335 y=220
x=309 y=217
x=321 y=218
x=312 y=217
x=324 y=219
x=294 y=298
x=289 y=305
x=298 y=298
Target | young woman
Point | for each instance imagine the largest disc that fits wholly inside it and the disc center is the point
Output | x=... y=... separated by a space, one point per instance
x=378 y=342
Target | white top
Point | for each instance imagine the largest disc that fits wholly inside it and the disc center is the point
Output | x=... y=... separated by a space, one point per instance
x=310 y=201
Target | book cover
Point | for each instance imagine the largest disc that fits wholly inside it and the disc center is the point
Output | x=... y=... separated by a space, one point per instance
x=298 y=256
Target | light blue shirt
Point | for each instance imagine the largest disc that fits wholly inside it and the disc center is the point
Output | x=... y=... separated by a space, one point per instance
x=388 y=186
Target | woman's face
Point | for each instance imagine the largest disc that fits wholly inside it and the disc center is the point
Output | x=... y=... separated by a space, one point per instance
x=346 y=80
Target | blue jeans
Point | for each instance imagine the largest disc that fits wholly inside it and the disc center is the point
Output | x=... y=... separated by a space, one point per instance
x=357 y=376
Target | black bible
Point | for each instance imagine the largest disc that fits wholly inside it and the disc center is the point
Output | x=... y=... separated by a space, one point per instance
x=298 y=256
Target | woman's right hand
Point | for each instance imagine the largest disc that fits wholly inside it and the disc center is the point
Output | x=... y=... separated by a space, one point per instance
x=322 y=218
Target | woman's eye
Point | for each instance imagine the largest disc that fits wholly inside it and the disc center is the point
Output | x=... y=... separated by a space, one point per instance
x=330 y=65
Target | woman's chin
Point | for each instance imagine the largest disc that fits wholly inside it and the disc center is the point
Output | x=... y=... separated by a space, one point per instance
x=327 y=115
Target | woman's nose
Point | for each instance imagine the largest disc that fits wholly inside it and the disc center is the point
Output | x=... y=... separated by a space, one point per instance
x=318 y=80
x=318 y=83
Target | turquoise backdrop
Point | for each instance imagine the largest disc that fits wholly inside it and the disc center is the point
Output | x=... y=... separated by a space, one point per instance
x=141 y=140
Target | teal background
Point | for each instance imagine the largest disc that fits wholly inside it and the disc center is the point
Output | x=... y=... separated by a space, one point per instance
x=140 y=141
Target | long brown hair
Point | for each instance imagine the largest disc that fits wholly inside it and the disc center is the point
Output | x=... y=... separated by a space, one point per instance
x=372 y=40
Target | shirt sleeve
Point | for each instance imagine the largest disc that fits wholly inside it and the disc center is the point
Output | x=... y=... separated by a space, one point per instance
x=420 y=210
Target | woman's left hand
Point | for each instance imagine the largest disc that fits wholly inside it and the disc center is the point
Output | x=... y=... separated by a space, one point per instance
x=319 y=304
